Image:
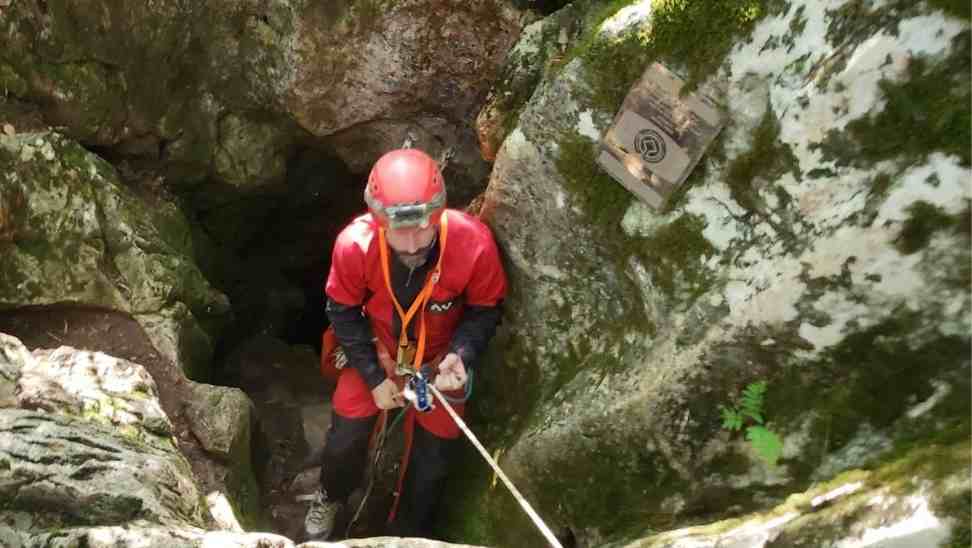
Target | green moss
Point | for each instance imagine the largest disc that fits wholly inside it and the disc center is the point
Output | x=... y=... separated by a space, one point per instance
x=11 y=82
x=892 y=478
x=587 y=495
x=506 y=391
x=958 y=8
x=872 y=376
x=855 y=21
x=512 y=104
x=526 y=67
x=959 y=508
x=924 y=221
x=93 y=92
x=936 y=457
x=603 y=199
x=481 y=512
x=675 y=253
x=717 y=154
x=799 y=21
x=766 y=160
x=925 y=112
x=616 y=63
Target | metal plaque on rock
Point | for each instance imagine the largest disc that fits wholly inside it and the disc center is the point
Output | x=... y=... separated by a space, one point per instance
x=658 y=137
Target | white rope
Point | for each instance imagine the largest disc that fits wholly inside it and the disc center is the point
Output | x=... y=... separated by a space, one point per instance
x=509 y=484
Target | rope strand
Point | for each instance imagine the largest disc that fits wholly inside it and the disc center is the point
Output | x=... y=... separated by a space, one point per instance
x=506 y=481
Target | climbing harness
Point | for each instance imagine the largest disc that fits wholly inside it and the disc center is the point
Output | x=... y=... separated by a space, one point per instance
x=506 y=481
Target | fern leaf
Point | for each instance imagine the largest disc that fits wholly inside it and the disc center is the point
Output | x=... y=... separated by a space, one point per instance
x=766 y=443
x=752 y=401
x=731 y=419
x=755 y=415
x=754 y=392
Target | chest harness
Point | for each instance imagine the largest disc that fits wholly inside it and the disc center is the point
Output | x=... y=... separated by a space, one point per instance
x=408 y=359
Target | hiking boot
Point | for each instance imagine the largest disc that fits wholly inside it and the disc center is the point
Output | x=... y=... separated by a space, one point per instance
x=320 y=518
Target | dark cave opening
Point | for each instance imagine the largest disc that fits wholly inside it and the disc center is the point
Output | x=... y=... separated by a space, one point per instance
x=269 y=250
x=270 y=254
x=336 y=198
x=544 y=7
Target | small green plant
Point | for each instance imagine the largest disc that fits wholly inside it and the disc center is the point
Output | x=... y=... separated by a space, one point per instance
x=749 y=413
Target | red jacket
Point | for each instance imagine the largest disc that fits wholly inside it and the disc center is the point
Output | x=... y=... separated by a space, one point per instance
x=471 y=275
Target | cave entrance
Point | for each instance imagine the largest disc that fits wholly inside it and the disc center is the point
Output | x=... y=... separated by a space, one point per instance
x=276 y=249
x=269 y=250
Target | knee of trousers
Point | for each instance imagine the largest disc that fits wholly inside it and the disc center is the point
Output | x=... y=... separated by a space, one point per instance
x=431 y=455
x=348 y=435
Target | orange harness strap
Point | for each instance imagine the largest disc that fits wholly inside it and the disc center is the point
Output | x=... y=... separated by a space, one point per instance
x=420 y=300
x=417 y=306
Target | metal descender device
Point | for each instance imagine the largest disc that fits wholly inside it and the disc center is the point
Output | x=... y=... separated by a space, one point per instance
x=416 y=385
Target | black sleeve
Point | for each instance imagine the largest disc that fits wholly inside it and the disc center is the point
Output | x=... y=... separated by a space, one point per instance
x=476 y=327
x=354 y=335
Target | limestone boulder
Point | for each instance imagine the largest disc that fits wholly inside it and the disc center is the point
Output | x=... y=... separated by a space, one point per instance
x=917 y=499
x=222 y=90
x=87 y=443
x=804 y=252
x=74 y=233
x=169 y=81
x=220 y=418
x=13 y=356
x=374 y=61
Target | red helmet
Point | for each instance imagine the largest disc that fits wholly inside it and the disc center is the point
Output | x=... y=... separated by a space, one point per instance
x=405 y=189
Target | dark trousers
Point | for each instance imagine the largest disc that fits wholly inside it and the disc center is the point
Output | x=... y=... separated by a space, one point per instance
x=345 y=459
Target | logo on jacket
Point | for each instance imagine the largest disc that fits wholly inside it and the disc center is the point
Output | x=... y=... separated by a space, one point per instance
x=441 y=307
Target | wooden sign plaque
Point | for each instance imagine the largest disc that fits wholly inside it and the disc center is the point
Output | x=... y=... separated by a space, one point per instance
x=658 y=137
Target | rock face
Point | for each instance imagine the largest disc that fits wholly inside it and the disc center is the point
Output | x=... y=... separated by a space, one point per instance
x=87 y=443
x=223 y=89
x=73 y=233
x=904 y=503
x=822 y=247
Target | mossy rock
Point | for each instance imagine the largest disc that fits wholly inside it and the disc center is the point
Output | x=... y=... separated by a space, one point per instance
x=628 y=327
x=74 y=233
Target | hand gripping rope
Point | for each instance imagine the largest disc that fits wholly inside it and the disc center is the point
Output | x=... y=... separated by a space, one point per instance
x=419 y=385
x=417 y=390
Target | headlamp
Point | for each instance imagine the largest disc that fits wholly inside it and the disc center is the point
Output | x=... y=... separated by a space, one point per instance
x=407 y=215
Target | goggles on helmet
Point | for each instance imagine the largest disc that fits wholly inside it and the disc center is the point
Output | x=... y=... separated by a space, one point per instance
x=407 y=215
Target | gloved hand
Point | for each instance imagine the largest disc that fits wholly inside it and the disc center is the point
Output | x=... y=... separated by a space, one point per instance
x=452 y=373
x=387 y=395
